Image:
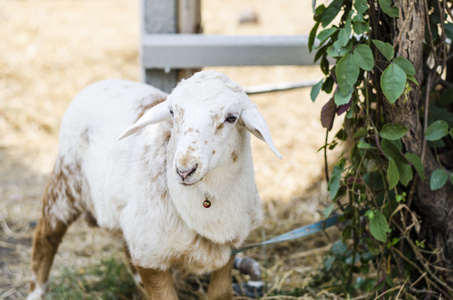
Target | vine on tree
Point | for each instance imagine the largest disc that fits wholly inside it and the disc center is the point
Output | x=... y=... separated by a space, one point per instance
x=372 y=182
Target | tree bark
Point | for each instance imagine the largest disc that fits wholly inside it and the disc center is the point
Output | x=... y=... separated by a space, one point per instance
x=434 y=207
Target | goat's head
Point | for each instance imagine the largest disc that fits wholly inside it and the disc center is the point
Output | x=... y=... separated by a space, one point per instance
x=209 y=114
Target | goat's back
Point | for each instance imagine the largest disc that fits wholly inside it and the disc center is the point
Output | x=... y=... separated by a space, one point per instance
x=89 y=143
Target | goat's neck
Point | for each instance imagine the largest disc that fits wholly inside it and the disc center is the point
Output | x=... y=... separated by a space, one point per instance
x=232 y=192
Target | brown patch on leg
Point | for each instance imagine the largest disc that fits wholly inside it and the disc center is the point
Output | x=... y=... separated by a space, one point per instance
x=220 y=287
x=61 y=207
x=45 y=244
x=157 y=284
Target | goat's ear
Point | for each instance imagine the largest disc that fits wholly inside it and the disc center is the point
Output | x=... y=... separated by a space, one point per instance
x=255 y=123
x=157 y=114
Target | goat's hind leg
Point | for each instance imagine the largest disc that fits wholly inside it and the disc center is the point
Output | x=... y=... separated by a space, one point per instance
x=58 y=213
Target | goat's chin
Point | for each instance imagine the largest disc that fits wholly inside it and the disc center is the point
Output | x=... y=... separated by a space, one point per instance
x=190 y=181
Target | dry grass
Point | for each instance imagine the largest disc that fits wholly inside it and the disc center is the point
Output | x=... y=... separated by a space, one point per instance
x=52 y=49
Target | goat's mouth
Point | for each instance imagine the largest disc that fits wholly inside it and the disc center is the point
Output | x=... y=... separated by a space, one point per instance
x=190 y=181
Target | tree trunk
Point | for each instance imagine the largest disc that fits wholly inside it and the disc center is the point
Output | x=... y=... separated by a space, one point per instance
x=434 y=207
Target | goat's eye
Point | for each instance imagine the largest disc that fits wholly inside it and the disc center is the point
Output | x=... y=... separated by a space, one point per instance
x=231 y=118
x=171 y=112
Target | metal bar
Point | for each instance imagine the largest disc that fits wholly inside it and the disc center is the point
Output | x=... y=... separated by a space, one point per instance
x=170 y=51
x=280 y=86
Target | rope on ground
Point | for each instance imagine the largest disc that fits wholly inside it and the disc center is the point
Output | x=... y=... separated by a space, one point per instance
x=297 y=233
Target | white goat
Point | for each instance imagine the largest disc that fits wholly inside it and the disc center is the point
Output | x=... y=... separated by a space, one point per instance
x=182 y=193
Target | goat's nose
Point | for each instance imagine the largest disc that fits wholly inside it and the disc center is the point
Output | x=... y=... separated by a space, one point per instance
x=186 y=172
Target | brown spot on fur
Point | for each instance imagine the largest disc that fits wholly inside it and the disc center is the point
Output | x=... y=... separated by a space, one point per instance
x=234 y=156
x=205 y=142
x=215 y=119
x=67 y=180
x=186 y=159
x=90 y=219
x=219 y=129
x=213 y=152
x=188 y=130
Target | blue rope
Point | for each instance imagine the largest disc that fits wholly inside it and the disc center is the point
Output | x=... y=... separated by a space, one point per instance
x=297 y=233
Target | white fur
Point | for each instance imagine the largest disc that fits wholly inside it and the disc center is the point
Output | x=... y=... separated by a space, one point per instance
x=39 y=293
x=133 y=184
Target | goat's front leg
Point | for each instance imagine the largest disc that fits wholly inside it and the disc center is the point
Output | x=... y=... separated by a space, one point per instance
x=221 y=284
x=157 y=284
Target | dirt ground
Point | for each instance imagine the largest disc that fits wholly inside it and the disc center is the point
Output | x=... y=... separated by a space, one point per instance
x=50 y=50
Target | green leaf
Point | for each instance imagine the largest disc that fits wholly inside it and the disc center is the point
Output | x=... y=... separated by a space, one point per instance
x=331 y=12
x=315 y=90
x=398 y=144
x=324 y=64
x=405 y=173
x=357 y=18
x=347 y=72
x=393 y=82
x=359 y=133
x=360 y=27
x=341 y=99
x=328 y=211
x=337 y=51
x=393 y=175
x=438 y=179
x=328 y=84
x=320 y=53
x=364 y=145
x=344 y=34
x=326 y=33
x=386 y=6
x=392 y=151
x=451 y=178
x=379 y=226
x=436 y=130
x=360 y=6
x=339 y=248
x=412 y=78
x=364 y=57
x=405 y=64
x=385 y=48
x=334 y=181
x=416 y=161
x=449 y=30
x=393 y=131
x=311 y=37
x=318 y=12
x=439 y=113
